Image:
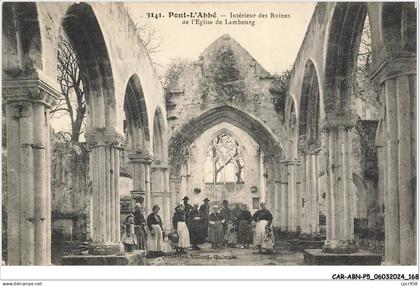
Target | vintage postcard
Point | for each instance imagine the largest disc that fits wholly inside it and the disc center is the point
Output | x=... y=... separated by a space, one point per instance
x=210 y=133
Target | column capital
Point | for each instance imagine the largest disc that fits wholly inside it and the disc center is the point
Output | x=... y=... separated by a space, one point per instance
x=347 y=121
x=174 y=179
x=290 y=162
x=160 y=194
x=137 y=193
x=392 y=63
x=144 y=157
x=108 y=137
x=36 y=90
x=305 y=147
x=162 y=167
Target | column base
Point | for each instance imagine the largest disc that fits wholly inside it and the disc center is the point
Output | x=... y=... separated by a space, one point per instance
x=300 y=245
x=310 y=236
x=305 y=241
x=293 y=234
x=137 y=257
x=340 y=246
x=318 y=257
x=279 y=233
x=106 y=248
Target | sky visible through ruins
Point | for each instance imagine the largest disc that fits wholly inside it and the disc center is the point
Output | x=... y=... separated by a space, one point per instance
x=273 y=42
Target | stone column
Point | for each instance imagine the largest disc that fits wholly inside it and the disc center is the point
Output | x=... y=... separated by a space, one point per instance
x=27 y=103
x=396 y=76
x=284 y=200
x=269 y=190
x=310 y=193
x=183 y=184
x=276 y=198
x=293 y=202
x=105 y=145
x=141 y=176
x=174 y=186
x=160 y=193
x=263 y=178
x=300 y=185
x=340 y=226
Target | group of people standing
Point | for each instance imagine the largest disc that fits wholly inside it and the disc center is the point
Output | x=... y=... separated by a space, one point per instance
x=141 y=233
x=194 y=225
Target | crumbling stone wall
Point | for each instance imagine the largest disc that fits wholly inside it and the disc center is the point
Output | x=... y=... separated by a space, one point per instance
x=71 y=191
x=224 y=74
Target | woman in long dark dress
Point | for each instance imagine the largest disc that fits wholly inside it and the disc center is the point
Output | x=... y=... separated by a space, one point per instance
x=195 y=227
x=139 y=226
x=154 y=233
x=245 y=235
x=181 y=228
x=263 y=218
x=215 y=230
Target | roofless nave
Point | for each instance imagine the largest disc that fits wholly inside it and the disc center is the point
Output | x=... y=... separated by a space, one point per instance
x=330 y=165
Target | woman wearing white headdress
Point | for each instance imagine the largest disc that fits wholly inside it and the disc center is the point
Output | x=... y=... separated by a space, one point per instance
x=181 y=228
x=263 y=218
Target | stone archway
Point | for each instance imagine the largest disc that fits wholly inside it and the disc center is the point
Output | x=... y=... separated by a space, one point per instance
x=309 y=147
x=270 y=145
x=295 y=181
x=140 y=155
x=34 y=243
x=394 y=72
x=160 y=194
x=27 y=97
x=344 y=35
x=83 y=31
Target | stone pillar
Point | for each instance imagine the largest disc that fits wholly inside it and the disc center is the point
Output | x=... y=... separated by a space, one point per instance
x=27 y=103
x=141 y=176
x=184 y=184
x=263 y=178
x=382 y=176
x=340 y=226
x=160 y=193
x=310 y=193
x=105 y=147
x=276 y=198
x=396 y=76
x=174 y=186
x=299 y=189
x=293 y=202
x=284 y=200
x=269 y=190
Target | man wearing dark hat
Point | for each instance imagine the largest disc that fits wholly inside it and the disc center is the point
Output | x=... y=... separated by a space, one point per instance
x=204 y=214
x=225 y=213
x=188 y=208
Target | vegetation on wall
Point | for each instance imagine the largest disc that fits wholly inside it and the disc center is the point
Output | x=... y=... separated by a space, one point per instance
x=280 y=89
x=223 y=78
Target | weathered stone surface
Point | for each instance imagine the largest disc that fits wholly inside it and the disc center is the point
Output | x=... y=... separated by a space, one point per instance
x=300 y=245
x=137 y=257
x=317 y=257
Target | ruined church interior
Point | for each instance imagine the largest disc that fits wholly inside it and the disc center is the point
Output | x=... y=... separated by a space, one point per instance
x=330 y=147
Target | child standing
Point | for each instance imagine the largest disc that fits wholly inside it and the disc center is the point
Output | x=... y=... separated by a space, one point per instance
x=268 y=241
x=231 y=233
x=129 y=238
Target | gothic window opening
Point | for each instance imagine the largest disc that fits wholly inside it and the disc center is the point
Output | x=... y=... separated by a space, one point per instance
x=224 y=161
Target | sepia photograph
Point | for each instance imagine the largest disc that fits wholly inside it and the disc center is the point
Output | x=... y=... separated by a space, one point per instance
x=210 y=134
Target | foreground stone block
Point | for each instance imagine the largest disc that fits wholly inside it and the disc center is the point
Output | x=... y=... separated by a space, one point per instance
x=317 y=257
x=137 y=257
x=300 y=245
